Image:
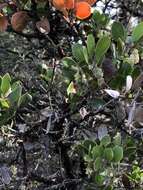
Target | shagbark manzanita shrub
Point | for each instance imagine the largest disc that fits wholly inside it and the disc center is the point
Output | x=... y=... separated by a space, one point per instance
x=101 y=158
x=110 y=58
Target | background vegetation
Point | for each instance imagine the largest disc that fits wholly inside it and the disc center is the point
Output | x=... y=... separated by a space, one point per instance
x=71 y=111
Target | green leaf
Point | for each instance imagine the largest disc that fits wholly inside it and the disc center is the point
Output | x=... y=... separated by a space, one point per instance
x=110 y=187
x=71 y=89
x=137 y=32
x=97 y=163
x=77 y=51
x=24 y=99
x=118 y=31
x=88 y=144
x=102 y=47
x=117 y=139
x=4 y=103
x=15 y=94
x=85 y=54
x=106 y=140
x=15 y=85
x=99 y=179
x=118 y=153
x=100 y=19
x=97 y=16
x=0 y=80
x=68 y=62
x=69 y=68
x=90 y=45
x=120 y=46
x=97 y=151
x=5 y=84
x=108 y=153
